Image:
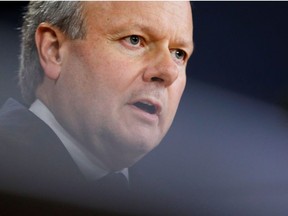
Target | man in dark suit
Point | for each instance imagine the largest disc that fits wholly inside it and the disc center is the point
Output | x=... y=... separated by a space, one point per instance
x=102 y=82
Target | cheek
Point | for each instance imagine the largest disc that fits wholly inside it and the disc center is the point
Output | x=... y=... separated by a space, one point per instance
x=175 y=93
x=177 y=89
x=116 y=75
x=109 y=66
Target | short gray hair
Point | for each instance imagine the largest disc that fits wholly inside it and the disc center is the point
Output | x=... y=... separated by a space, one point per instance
x=67 y=16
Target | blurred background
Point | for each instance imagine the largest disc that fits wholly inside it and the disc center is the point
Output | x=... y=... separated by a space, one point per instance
x=228 y=146
x=242 y=47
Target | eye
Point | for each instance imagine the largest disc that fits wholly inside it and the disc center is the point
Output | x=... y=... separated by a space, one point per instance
x=133 y=40
x=179 y=54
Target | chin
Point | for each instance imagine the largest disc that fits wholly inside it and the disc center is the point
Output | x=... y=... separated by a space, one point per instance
x=143 y=148
x=130 y=155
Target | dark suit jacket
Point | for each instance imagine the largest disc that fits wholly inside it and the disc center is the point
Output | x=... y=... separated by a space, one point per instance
x=36 y=167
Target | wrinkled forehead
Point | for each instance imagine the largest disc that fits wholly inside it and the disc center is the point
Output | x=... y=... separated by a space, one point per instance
x=120 y=9
x=128 y=5
x=172 y=17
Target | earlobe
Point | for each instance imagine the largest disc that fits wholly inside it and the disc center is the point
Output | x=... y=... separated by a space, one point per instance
x=48 y=41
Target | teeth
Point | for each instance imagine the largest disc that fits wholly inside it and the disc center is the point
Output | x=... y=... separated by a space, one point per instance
x=147 y=103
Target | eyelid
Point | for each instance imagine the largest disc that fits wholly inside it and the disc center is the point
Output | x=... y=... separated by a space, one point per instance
x=141 y=40
x=143 y=43
x=185 y=57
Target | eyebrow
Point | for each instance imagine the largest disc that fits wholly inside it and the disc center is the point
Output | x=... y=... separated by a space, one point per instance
x=188 y=44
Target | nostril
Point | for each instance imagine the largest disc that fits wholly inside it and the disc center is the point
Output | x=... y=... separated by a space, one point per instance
x=156 y=79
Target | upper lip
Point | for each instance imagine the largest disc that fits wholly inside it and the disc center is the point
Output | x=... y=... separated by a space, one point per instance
x=156 y=103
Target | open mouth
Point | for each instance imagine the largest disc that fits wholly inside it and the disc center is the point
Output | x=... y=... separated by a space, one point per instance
x=146 y=107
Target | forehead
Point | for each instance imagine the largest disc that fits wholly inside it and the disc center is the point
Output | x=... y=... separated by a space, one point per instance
x=137 y=7
x=170 y=18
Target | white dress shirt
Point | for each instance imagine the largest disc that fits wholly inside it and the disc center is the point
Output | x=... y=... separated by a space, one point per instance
x=87 y=162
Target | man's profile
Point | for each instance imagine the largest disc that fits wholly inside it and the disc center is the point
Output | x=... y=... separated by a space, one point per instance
x=102 y=82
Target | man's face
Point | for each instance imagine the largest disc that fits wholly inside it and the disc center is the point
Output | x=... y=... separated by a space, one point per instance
x=119 y=88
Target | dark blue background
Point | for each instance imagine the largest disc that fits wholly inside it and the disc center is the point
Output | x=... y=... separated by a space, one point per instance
x=242 y=46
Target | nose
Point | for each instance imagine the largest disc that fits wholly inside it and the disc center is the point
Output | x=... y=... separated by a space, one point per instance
x=161 y=69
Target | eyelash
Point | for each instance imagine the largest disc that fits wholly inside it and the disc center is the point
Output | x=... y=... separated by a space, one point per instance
x=141 y=42
x=129 y=39
x=183 y=53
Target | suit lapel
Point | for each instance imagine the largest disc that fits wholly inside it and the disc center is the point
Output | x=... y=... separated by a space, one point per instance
x=32 y=158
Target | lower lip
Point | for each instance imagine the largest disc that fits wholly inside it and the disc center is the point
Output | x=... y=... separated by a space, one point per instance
x=151 y=118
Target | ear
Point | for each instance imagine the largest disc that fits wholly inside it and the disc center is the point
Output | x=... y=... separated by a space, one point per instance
x=49 y=40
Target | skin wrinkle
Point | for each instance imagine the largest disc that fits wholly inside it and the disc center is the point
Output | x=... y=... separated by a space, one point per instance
x=101 y=75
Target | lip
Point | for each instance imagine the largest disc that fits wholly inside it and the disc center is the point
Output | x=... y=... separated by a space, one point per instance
x=156 y=103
